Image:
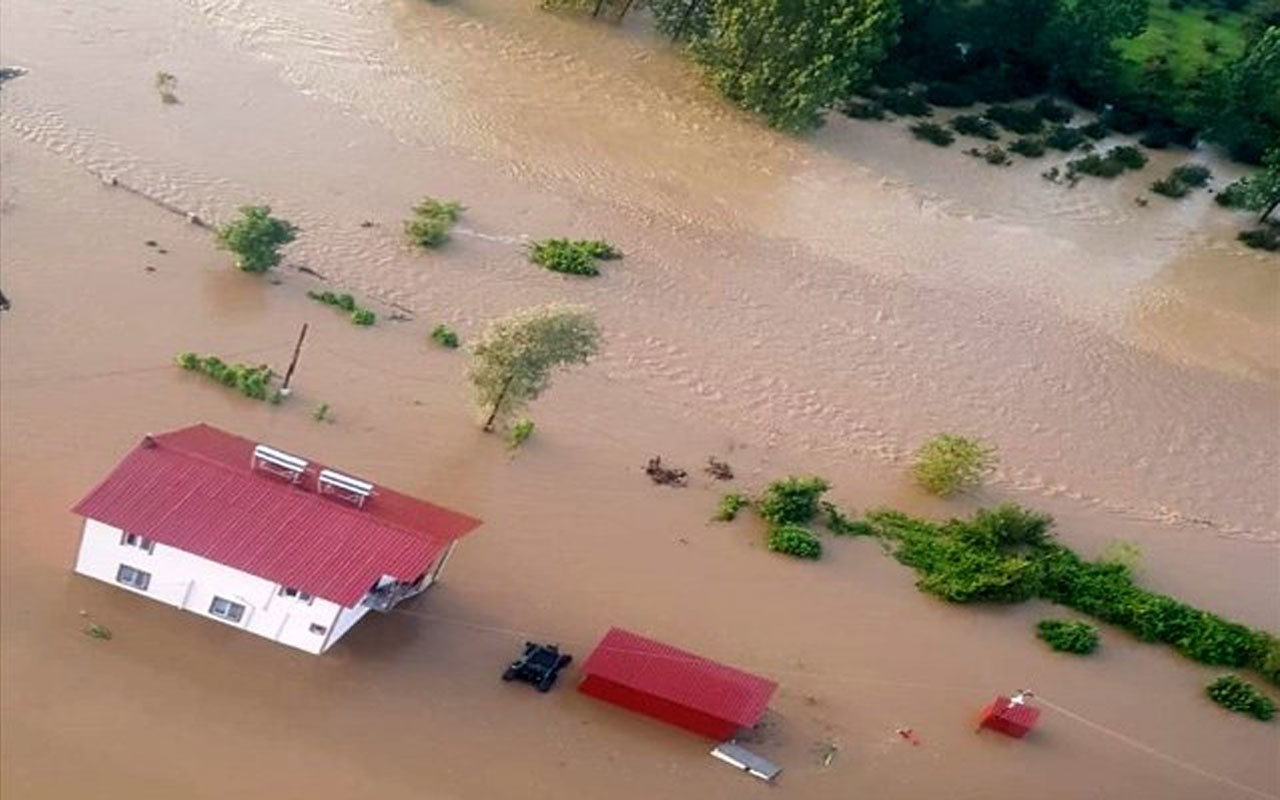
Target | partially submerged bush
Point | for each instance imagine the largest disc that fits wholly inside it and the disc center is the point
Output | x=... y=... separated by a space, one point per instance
x=841 y=525
x=1095 y=130
x=950 y=95
x=869 y=109
x=1193 y=175
x=363 y=316
x=444 y=336
x=1240 y=696
x=1016 y=119
x=933 y=133
x=347 y=303
x=1170 y=187
x=432 y=218
x=993 y=154
x=1028 y=146
x=791 y=501
x=947 y=464
x=1234 y=195
x=729 y=506
x=256 y=238
x=1095 y=165
x=1265 y=238
x=1128 y=156
x=252 y=381
x=1066 y=636
x=1064 y=138
x=906 y=103
x=572 y=257
x=974 y=125
x=520 y=432
x=1053 y=111
x=795 y=540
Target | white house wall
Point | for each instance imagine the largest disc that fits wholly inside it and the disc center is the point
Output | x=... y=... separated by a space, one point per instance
x=190 y=582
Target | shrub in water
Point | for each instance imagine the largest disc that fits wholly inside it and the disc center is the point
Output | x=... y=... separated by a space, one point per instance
x=947 y=464
x=1016 y=119
x=520 y=432
x=252 y=381
x=1156 y=138
x=1265 y=238
x=791 y=501
x=1064 y=138
x=993 y=154
x=905 y=103
x=1234 y=195
x=933 y=133
x=857 y=109
x=444 y=336
x=573 y=257
x=1068 y=636
x=1053 y=111
x=1128 y=156
x=432 y=218
x=795 y=540
x=729 y=507
x=256 y=238
x=347 y=303
x=950 y=95
x=841 y=525
x=363 y=316
x=974 y=125
x=1193 y=175
x=1240 y=696
x=1122 y=121
x=1028 y=146
x=1095 y=130
x=1170 y=187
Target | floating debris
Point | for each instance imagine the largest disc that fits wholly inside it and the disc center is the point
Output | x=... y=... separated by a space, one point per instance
x=167 y=86
x=9 y=73
x=665 y=476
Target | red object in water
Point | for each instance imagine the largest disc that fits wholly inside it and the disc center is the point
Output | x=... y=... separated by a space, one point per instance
x=675 y=686
x=1010 y=718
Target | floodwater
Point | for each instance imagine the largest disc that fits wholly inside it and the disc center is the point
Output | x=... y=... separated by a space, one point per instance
x=817 y=304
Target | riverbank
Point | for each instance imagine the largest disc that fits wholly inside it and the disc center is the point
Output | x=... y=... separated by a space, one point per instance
x=774 y=333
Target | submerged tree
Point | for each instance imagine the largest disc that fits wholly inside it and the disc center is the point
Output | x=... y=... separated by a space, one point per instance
x=513 y=361
x=947 y=464
x=790 y=59
x=256 y=237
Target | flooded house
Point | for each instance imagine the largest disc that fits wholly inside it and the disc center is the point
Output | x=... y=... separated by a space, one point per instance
x=258 y=538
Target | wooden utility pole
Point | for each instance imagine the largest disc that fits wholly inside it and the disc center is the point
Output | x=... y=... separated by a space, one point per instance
x=293 y=362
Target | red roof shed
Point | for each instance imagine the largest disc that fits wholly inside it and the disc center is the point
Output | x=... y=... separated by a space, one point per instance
x=675 y=686
x=1010 y=718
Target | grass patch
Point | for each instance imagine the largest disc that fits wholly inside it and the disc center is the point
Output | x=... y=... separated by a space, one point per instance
x=444 y=336
x=1067 y=636
x=933 y=133
x=729 y=506
x=974 y=125
x=1236 y=694
x=432 y=218
x=1178 y=36
x=252 y=381
x=572 y=257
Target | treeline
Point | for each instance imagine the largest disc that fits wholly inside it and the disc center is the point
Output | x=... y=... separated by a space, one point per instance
x=790 y=60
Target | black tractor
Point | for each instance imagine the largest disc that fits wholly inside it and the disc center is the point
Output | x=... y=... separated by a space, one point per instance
x=539 y=665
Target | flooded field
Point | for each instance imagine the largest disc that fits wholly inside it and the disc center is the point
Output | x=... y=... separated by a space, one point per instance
x=815 y=305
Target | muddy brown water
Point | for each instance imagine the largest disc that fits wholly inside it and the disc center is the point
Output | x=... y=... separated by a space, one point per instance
x=788 y=305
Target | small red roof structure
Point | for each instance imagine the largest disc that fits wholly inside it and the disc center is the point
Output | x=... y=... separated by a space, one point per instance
x=196 y=489
x=1011 y=718
x=675 y=686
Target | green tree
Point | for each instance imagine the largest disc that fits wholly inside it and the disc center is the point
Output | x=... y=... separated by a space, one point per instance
x=790 y=59
x=1081 y=36
x=514 y=358
x=947 y=463
x=256 y=237
x=1244 y=113
x=681 y=19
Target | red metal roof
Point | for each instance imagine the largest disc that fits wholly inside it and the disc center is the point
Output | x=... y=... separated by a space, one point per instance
x=680 y=677
x=195 y=489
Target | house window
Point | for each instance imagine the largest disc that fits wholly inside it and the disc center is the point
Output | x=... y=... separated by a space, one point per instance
x=138 y=541
x=297 y=594
x=136 y=578
x=319 y=630
x=225 y=609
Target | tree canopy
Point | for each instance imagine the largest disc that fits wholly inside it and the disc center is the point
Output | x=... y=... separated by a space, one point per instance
x=790 y=59
x=256 y=237
x=1248 y=122
x=514 y=358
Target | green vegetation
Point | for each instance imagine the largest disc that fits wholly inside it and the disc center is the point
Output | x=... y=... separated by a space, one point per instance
x=947 y=464
x=1127 y=554
x=1266 y=237
x=729 y=506
x=515 y=356
x=1260 y=192
x=1065 y=138
x=96 y=631
x=432 y=218
x=795 y=540
x=573 y=257
x=256 y=238
x=1196 y=176
x=951 y=95
x=1016 y=119
x=906 y=103
x=1095 y=130
x=788 y=60
x=252 y=381
x=974 y=125
x=1028 y=146
x=993 y=154
x=840 y=525
x=1007 y=555
x=860 y=109
x=1230 y=691
x=1170 y=187
x=347 y=303
x=1113 y=163
x=933 y=133
x=444 y=336
x=1066 y=636
x=322 y=413
x=791 y=501
x=520 y=432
